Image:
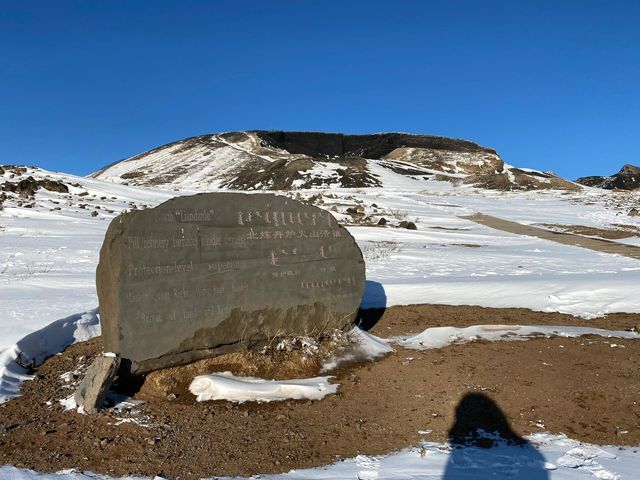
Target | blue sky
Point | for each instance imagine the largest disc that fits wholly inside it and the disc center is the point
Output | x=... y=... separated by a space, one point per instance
x=553 y=85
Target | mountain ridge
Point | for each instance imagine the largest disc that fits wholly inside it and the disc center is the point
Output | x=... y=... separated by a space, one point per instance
x=628 y=178
x=293 y=160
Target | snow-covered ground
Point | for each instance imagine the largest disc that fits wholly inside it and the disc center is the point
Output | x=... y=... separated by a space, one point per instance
x=545 y=457
x=47 y=274
x=553 y=457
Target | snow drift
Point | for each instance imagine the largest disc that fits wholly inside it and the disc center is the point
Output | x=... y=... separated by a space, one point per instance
x=226 y=386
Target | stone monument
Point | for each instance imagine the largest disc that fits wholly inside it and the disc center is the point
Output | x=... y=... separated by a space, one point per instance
x=206 y=274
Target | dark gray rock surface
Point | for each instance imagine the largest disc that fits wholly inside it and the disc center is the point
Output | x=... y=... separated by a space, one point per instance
x=209 y=273
x=374 y=145
x=94 y=387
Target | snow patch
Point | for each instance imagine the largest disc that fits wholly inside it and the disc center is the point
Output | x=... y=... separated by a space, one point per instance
x=362 y=347
x=69 y=403
x=226 y=386
x=439 y=337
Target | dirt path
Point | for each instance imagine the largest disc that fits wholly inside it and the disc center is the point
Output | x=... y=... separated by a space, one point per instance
x=586 y=387
x=599 y=245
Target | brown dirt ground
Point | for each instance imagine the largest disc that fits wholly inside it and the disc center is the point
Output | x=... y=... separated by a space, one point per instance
x=584 y=387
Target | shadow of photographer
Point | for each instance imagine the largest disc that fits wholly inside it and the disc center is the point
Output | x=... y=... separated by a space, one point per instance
x=483 y=445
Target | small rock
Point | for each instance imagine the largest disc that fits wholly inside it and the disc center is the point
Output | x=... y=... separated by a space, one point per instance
x=92 y=391
x=171 y=397
x=94 y=214
x=634 y=212
x=382 y=222
x=407 y=225
x=53 y=186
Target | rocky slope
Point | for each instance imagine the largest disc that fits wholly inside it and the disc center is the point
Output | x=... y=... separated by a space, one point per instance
x=52 y=194
x=276 y=160
x=628 y=178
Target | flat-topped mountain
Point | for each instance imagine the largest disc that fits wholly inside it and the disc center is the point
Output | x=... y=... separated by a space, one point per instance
x=277 y=160
x=374 y=146
x=628 y=178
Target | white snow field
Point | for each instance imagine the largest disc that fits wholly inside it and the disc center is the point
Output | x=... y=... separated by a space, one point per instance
x=48 y=301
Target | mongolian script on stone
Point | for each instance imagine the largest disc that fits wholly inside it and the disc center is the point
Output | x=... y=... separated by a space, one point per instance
x=203 y=274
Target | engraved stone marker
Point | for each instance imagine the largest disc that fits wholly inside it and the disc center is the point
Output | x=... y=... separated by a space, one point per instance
x=209 y=273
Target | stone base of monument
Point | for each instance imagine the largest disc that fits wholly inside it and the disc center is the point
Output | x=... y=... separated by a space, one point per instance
x=94 y=387
x=285 y=358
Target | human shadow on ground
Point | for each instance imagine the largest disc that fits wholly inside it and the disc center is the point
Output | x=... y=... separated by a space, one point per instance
x=485 y=446
x=372 y=305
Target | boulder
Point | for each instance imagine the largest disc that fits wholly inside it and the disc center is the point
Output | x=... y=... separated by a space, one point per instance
x=53 y=185
x=408 y=225
x=27 y=187
x=211 y=273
